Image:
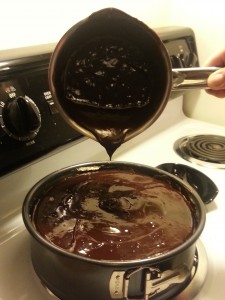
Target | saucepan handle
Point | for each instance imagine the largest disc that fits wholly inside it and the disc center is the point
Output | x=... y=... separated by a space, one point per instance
x=191 y=78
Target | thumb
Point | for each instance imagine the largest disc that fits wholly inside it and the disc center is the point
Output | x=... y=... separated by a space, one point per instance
x=216 y=81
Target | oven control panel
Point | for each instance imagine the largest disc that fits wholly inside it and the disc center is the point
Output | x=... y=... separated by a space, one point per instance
x=30 y=125
x=181 y=46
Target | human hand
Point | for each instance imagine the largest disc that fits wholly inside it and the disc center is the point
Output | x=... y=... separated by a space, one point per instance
x=216 y=81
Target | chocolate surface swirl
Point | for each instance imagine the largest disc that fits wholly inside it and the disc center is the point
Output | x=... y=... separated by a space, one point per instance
x=114 y=215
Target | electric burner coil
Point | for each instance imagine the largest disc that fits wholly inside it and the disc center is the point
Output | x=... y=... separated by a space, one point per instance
x=206 y=150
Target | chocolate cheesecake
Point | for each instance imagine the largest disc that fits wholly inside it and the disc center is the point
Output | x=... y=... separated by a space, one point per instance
x=114 y=215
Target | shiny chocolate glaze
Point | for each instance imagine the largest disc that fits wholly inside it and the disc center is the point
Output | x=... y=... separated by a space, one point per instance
x=107 y=87
x=114 y=215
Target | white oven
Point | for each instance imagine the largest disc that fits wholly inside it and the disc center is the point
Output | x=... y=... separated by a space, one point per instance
x=32 y=148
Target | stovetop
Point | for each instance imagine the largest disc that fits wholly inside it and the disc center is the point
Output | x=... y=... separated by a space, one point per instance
x=152 y=147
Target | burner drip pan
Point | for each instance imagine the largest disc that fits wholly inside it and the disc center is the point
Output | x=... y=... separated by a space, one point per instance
x=205 y=150
x=198 y=276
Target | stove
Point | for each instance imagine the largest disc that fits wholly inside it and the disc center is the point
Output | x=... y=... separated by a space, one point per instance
x=38 y=148
x=203 y=149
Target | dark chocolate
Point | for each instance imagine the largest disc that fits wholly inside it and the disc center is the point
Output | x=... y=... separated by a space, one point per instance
x=114 y=215
x=108 y=89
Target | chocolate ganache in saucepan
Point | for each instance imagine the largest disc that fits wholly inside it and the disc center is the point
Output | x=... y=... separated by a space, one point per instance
x=107 y=84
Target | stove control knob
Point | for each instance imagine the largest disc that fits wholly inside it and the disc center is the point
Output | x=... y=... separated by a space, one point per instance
x=21 y=118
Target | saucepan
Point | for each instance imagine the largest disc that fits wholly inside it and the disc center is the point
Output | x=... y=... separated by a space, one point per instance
x=116 y=24
x=70 y=275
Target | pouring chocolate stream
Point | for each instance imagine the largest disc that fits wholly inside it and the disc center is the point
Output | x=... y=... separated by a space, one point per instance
x=106 y=82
